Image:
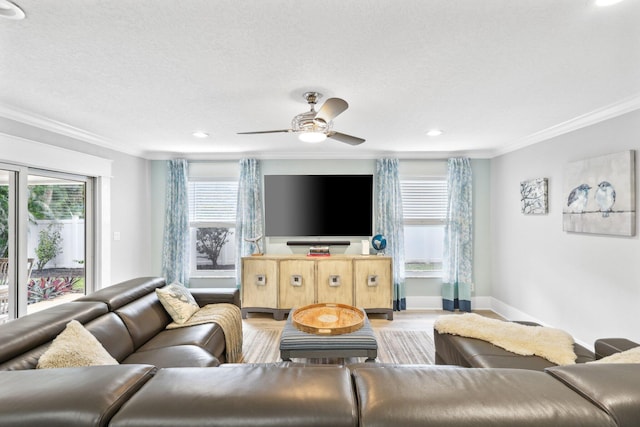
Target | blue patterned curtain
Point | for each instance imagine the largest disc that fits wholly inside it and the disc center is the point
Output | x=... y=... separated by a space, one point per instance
x=175 y=246
x=390 y=224
x=457 y=263
x=249 y=224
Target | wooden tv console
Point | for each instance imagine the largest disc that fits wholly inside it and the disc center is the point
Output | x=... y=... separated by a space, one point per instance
x=277 y=283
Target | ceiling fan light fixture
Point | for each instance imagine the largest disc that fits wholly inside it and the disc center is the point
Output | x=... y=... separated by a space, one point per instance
x=312 y=137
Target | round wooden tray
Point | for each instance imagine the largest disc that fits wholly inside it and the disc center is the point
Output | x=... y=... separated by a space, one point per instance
x=328 y=319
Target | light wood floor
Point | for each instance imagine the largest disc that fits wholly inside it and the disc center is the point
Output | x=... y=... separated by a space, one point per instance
x=411 y=320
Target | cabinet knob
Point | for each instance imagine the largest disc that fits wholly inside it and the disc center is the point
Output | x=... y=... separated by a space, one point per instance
x=372 y=280
x=261 y=280
x=334 y=280
x=296 y=280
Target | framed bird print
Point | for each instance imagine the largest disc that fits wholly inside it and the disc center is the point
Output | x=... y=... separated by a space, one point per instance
x=599 y=195
x=533 y=196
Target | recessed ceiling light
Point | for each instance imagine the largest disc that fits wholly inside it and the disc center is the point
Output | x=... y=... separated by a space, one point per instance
x=434 y=132
x=604 y=3
x=200 y=134
x=10 y=10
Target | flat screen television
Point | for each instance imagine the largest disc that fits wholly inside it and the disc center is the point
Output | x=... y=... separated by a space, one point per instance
x=318 y=205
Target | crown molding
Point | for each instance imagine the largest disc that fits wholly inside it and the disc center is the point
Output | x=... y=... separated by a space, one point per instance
x=60 y=128
x=624 y=106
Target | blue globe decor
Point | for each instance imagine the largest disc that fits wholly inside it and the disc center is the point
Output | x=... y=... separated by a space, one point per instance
x=379 y=243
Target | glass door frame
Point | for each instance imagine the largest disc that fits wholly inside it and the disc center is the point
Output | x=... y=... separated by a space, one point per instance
x=90 y=241
x=18 y=223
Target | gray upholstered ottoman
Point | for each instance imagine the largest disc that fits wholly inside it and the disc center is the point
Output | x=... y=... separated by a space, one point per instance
x=297 y=344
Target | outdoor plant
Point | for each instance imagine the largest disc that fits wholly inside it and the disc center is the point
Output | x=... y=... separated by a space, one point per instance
x=49 y=245
x=46 y=288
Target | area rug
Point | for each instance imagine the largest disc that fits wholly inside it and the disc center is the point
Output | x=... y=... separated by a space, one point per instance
x=405 y=347
x=394 y=346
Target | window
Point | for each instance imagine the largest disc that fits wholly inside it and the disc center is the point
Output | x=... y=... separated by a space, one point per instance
x=424 y=205
x=212 y=217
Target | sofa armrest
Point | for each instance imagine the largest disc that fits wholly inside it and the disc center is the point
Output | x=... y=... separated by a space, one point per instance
x=70 y=397
x=611 y=386
x=607 y=346
x=204 y=296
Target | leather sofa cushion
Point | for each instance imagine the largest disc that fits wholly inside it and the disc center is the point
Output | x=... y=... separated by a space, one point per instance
x=174 y=357
x=208 y=336
x=431 y=395
x=144 y=318
x=243 y=396
x=22 y=335
x=112 y=333
x=613 y=387
x=115 y=296
x=607 y=346
x=68 y=397
x=475 y=353
x=203 y=296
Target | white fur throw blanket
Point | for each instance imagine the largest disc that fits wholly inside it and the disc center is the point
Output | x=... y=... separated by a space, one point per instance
x=552 y=344
x=229 y=317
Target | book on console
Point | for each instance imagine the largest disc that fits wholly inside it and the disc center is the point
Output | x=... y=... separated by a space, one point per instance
x=319 y=251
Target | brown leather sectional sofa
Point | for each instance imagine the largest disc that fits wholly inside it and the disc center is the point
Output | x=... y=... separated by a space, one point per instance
x=164 y=380
x=474 y=353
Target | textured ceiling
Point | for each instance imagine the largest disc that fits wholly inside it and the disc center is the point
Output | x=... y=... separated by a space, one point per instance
x=140 y=76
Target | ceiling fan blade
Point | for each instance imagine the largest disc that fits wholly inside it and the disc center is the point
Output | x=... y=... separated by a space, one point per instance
x=265 y=131
x=343 y=137
x=330 y=109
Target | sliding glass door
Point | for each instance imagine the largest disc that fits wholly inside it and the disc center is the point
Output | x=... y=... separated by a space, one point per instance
x=46 y=239
x=7 y=239
x=56 y=238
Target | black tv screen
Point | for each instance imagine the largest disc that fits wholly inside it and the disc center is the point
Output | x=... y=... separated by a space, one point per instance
x=318 y=205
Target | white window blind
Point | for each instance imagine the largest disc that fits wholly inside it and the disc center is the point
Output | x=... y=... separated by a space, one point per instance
x=212 y=202
x=424 y=201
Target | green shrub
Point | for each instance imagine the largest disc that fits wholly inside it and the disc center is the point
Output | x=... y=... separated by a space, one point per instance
x=49 y=245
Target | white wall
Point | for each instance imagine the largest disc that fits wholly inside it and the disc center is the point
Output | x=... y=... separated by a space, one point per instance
x=421 y=292
x=586 y=284
x=130 y=213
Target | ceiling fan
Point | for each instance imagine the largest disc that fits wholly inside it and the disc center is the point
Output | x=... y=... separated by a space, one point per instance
x=312 y=126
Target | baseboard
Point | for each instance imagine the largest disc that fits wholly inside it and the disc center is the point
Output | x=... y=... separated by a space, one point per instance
x=435 y=303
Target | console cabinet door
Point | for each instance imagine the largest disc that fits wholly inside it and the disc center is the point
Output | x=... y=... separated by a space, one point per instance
x=259 y=283
x=297 y=283
x=373 y=282
x=335 y=281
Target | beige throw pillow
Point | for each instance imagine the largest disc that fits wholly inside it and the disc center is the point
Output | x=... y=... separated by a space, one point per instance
x=178 y=302
x=73 y=347
x=628 y=356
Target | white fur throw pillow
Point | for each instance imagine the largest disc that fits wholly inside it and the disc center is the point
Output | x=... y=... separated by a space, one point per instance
x=178 y=302
x=629 y=356
x=74 y=347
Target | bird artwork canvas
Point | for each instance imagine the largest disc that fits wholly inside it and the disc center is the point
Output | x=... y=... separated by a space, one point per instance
x=599 y=195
